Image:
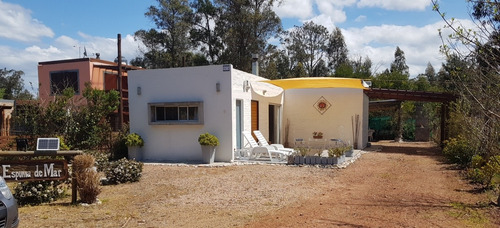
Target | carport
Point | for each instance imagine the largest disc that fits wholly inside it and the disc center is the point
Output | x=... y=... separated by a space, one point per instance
x=405 y=95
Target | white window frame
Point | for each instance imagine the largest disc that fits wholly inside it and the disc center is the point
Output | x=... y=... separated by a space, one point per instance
x=153 y=118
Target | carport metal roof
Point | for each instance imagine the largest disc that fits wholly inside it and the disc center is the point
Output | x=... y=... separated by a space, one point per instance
x=406 y=95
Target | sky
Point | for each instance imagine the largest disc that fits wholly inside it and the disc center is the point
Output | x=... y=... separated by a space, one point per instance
x=36 y=31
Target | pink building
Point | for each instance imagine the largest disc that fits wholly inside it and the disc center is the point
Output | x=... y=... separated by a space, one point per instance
x=55 y=76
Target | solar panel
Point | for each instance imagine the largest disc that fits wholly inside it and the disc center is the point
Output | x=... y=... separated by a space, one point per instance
x=47 y=144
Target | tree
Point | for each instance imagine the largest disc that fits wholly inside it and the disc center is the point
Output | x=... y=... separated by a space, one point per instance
x=430 y=73
x=477 y=82
x=12 y=85
x=336 y=50
x=204 y=34
x=399 y=63
x=398 y=75
x=167 y=45
x=307 y=45
x=245 y=27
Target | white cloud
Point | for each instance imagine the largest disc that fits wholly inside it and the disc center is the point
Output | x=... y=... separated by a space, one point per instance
x=360 y=18
x=420 y=44
x=16 y=24
x=401 y=5
x=301 y=9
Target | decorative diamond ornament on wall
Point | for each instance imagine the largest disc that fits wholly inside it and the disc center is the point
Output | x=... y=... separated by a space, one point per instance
x=322 y=105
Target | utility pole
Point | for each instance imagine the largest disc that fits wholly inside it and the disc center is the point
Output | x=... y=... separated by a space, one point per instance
x=120 y=107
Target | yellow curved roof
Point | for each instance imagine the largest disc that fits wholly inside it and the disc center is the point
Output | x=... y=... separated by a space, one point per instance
x=318 y=82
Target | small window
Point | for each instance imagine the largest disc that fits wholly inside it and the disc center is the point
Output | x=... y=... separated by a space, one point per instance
x=176 y=113
x=60 y=80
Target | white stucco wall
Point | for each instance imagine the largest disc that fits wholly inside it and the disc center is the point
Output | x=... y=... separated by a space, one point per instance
x=255 y=91
x=180 y=142
x=335 y=123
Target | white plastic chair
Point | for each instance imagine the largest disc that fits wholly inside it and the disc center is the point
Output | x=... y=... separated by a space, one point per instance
x=263 y=142
x=256 y=150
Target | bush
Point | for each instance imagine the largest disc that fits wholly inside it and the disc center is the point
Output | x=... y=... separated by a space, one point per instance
x=87 y=177
x=101 y=159
x=123 y=171
x=208 y=139
x=134 y=140
x=38 y=192
x=459 y=151
x=485 y=172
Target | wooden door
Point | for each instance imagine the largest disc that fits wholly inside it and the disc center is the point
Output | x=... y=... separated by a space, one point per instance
x=255 y=117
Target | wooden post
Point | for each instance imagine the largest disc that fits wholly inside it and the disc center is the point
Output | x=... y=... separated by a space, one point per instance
x=444 y=115
x=120 y=89
x=74 y=188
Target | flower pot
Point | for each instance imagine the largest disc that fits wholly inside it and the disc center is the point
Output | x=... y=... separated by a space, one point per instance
x=318 y=137
x=208 y=154
x=134 y=152
x=349 y=153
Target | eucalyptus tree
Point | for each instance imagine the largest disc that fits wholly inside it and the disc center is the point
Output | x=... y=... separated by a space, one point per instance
x=204 y=33
x=245 y=27
x=167 y=44
x=307 y=44
x=12 y=85
x=337 y=50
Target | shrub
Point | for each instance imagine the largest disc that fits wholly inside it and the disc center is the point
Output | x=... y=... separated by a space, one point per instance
x=101 y=159
x=89 y=185
x=208 y=139
x=459 y=151
x=87 y=177
x=484 y=172
x=38 y=192
x=134 y=140
x=336 y=152
x=122 y=171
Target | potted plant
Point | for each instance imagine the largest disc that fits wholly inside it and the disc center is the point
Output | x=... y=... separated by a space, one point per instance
x=318 y=135
x=208 y=144
x=134 y=141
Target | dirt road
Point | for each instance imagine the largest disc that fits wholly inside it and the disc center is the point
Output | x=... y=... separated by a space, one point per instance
x=404 y=185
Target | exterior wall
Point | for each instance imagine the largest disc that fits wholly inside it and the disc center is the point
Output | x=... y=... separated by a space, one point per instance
x=272 y=96
x=335 y=123
x=254 y=91
x=180 y=142
x=84 y=72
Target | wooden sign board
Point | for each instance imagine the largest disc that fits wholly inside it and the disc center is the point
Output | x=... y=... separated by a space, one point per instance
x=34 y=170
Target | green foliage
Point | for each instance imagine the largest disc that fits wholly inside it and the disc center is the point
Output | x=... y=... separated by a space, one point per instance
x=38 y=192
x=134 y=140
x=485 y=171
x=12 y=85
x=101 y=159
x=123 y=171
x=81 y=126
x=208 y=139
x=459 y=151
x=62 y=144
x=338 y=151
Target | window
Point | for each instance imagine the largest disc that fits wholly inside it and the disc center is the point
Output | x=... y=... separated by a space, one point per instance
x=176 y=113
x=60 y=80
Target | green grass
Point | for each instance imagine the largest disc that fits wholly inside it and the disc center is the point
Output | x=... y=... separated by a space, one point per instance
x=471 y=214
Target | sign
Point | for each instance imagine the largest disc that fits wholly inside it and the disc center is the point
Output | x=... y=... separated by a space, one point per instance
x=34 y=170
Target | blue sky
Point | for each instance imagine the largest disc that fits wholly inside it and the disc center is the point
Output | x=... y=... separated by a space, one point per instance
x=34 y=31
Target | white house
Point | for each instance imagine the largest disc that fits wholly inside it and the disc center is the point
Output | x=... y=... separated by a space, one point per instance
x=171 y=107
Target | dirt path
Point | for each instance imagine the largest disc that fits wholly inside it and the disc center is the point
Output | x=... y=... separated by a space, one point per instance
x=404 y=185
